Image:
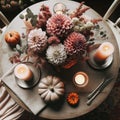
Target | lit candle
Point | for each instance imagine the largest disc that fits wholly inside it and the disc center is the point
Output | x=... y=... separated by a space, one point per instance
x=23 y=72
x=59 y=8
x=103 y=52
x=80 y=79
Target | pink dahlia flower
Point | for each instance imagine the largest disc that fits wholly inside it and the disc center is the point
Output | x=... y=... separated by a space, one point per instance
x=75 y=44
x=59 y=25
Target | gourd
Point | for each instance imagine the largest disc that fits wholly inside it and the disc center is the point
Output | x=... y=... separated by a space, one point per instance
x=12 y=38
x=51 y=88
x=73 y=98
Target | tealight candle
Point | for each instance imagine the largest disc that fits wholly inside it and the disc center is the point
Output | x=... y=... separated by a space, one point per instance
x=23 y=72
x=80 y=79
x=103 y=52
x=59 y=8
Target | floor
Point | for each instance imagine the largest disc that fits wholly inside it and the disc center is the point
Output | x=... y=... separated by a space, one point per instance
x=98 y=5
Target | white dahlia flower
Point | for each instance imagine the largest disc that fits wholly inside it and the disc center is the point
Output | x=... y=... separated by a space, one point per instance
x=56 y=54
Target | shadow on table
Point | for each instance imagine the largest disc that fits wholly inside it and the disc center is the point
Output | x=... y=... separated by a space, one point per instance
x=108 y=110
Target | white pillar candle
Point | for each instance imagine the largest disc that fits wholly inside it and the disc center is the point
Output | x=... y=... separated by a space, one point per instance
x=23 y=72
x=80 y=79
x=103 y=52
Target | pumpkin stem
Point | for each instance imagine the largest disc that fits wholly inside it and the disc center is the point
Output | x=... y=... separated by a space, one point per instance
x=10 y=35
x=51 y=88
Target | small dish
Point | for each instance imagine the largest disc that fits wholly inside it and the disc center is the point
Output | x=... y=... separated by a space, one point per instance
x=97 y=66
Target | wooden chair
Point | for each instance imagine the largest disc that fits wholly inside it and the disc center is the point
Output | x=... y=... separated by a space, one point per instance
x=7 y=102
x=113 y=25
x=4 y=20
x=110 y=11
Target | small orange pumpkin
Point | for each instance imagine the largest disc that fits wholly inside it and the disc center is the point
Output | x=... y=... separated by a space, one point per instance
x=73 y=98
x=12 y=38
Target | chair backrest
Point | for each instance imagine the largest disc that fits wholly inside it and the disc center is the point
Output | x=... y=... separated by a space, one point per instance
x=4 y=20
x=111 y=10
x=114 y=25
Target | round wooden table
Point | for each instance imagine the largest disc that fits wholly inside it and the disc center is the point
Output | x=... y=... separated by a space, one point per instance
x=63 y=110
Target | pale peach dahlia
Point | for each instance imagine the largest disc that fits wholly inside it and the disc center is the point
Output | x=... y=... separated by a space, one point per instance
x=37 y=40
x=59 y=25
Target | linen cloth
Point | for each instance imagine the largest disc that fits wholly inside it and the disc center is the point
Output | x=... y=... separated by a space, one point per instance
x=9 y=109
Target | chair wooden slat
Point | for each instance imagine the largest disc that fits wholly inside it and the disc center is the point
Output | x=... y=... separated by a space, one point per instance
x=111 y=9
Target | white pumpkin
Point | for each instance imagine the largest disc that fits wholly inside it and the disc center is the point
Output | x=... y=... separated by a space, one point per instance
x=51 y=88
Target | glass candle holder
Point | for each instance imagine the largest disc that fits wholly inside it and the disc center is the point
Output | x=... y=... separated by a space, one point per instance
x=59 y=8
x=80 y=79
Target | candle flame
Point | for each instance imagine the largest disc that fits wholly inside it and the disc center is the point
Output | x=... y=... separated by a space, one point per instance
x=80 y=79
x=105 y=48
x=21 y=70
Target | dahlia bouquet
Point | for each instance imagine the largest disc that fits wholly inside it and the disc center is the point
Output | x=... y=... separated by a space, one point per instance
x=61 y=38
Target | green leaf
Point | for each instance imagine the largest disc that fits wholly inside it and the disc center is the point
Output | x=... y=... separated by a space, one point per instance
x=21 y=16
x=34 y=20
x=29 y=13
x=26 y=17
x=101 y=33
x=97 y=27
x=18 y=47
x=24 y=48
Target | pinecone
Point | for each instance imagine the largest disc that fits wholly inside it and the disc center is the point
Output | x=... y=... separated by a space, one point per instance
x=56 y=54
x=59 y=25
x=37 y=40
x=75 y=44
